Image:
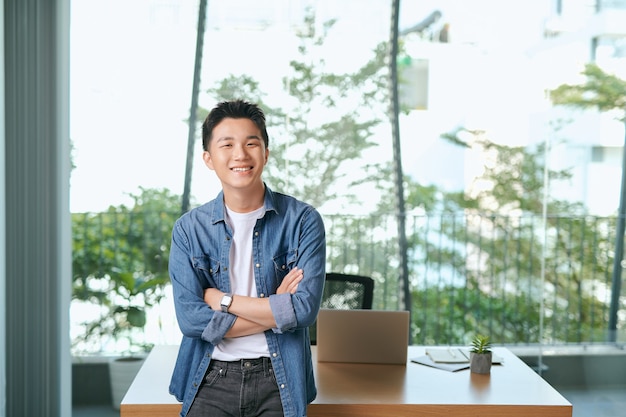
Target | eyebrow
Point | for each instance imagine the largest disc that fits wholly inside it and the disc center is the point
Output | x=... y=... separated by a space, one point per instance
x=225 y=138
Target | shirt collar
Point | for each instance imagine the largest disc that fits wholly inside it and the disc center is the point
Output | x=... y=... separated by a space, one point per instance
x=219 y=209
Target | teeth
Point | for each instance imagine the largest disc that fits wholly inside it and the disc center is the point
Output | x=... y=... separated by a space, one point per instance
x=241 y=169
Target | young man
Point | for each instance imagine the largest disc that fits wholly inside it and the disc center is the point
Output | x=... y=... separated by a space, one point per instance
x=247 y=271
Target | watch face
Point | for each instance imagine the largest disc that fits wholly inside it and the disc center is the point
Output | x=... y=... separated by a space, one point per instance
x=227 y=299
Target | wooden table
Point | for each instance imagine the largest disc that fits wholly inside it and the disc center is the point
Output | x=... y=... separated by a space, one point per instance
x=512 y=390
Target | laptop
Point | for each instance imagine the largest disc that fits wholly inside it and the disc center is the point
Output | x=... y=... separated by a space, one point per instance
x=362 y=336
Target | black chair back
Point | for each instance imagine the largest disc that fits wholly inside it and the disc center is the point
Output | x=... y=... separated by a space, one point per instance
x=348 y=292
x=345 y=292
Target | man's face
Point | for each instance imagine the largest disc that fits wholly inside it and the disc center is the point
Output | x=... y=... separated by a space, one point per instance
x=237 y=154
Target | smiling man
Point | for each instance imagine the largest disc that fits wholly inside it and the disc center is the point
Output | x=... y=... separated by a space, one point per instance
x=247 y=270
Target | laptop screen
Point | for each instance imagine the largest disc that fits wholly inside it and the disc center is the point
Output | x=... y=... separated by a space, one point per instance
x=362 y=336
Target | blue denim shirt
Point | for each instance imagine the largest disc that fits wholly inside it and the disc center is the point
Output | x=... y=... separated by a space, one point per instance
x=290 y=233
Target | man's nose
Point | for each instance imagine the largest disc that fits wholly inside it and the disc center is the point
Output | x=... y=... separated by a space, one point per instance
x=240 y=152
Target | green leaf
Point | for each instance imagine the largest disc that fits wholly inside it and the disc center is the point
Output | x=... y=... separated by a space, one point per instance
x=136 y=317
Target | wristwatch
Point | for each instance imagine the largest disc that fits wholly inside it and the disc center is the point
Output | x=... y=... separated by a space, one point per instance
x=227 y=300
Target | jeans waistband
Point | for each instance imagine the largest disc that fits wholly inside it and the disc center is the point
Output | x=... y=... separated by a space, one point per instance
x=242 y=364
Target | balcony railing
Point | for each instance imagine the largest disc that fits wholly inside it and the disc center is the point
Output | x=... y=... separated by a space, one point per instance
x=520 y=279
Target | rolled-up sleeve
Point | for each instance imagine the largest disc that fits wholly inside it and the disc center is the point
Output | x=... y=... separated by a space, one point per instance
x=282 y=309
x=195 y=318
x=300 y=309
x=219 y=324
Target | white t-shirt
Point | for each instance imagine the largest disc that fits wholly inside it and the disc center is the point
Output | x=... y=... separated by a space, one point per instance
x=242 y=283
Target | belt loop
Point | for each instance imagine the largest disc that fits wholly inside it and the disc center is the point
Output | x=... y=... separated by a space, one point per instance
x=267 y=365
x=215 y=364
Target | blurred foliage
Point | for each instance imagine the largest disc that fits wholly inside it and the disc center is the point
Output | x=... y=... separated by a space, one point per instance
x=317 y=143
x=120 y=261
x=483 y=260
x=600 y=90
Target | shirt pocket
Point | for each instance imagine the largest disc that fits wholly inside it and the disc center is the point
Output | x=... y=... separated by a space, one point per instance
x=208 y=269
x=283 y=264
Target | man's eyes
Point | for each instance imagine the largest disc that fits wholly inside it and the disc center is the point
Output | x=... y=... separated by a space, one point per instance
x=251 y=144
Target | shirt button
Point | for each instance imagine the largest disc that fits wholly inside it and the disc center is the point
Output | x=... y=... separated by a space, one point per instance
x=211 y=270
x=274 y=354
x=258 y=265
x=256 y=233
x=283 y=267
x=282 y=385
x=262 y=295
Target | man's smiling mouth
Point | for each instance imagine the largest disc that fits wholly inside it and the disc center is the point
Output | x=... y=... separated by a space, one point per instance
x=241 y=169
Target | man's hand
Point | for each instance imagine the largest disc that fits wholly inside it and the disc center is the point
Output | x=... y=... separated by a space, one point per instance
x=291 y=281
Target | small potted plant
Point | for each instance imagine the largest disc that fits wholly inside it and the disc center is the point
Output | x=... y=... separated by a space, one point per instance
x=480 y=355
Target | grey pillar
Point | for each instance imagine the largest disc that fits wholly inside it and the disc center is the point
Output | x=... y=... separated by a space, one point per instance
x=37 y=274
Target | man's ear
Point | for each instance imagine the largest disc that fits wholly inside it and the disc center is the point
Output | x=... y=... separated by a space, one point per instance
x=267 y=155
x=208 y=161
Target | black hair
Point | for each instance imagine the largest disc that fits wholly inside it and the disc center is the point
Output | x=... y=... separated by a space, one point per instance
x=235 y=109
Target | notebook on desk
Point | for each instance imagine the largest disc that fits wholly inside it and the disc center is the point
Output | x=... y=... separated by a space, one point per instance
x=450 y=358
x=362 y=336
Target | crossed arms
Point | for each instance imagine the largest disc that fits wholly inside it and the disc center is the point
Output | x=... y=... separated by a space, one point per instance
x=254 y=314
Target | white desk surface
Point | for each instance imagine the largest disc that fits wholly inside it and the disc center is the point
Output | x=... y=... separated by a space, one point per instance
x=512 y=389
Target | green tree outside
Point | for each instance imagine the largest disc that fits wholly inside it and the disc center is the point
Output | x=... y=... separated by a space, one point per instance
x=119 y=263
x=475 y=255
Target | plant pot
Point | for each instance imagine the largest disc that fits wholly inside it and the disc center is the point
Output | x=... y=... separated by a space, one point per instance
x=122 y=372
x=480 y=363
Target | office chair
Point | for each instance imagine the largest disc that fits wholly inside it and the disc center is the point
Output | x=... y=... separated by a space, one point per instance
x=345 y=292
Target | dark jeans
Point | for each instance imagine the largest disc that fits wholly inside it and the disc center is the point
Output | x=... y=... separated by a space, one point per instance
x=245 y=388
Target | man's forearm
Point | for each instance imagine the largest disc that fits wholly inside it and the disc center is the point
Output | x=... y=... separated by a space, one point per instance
x=256 y=310
x=254 y=315
x=252 y=309
x=244 y=327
